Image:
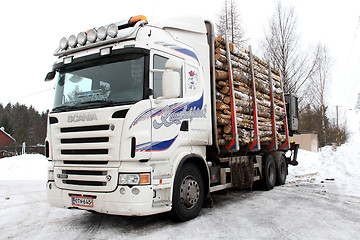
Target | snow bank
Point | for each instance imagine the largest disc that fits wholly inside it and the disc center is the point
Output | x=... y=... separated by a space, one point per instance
x=340 y=165
x=24 y=167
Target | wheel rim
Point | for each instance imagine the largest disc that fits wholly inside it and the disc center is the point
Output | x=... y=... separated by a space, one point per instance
x=189 y=192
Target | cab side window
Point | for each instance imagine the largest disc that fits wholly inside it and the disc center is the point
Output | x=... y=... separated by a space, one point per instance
x=159 y=64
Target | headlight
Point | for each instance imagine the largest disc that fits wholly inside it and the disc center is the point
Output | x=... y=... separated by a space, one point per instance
x=134 y=178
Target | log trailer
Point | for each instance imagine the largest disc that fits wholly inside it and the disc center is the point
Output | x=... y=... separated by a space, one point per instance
x=155 y=118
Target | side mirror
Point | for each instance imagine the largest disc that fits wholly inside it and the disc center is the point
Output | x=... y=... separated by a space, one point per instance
x=171 y=84
x=171 y=79
x=50 y=76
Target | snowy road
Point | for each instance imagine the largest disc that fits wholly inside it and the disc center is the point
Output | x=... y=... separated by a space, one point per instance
x=298 y=210
x=321 y=200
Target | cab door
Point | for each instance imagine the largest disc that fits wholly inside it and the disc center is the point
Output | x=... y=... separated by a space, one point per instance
x=169 y=126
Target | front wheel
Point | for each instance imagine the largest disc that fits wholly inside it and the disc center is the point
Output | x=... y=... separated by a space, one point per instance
x=188 y=193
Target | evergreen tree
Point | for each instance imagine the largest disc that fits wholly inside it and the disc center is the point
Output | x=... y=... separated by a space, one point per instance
x=5 y=123
x=24 y=123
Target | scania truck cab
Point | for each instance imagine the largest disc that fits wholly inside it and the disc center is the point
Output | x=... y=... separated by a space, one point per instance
x=131 y=108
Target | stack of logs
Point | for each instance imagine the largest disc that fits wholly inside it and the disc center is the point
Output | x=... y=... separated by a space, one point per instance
x=240 y=61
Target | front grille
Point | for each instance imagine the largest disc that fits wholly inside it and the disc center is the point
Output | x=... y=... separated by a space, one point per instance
x=87 y=156
x=77 y=162
x=84 y=151
x=88 y=141
x=85 y=140
x=85 y=129
x=84 y=183
x=85 y=172
x=87 y=179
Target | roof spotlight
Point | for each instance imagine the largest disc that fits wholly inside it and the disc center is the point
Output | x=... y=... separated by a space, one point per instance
x=63 y=43
x=112 y=30
x=81 y=38
x=72 y=41
x=102 y=33
x=92 y=35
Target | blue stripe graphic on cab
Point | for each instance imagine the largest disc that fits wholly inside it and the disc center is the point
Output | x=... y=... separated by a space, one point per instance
x=155 y=146
x=182 y=50
x=174 y=113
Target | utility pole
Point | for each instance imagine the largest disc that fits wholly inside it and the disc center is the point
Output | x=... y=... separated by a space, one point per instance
x=337 y=116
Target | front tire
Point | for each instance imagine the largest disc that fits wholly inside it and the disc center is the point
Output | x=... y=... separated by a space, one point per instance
x=188 y=193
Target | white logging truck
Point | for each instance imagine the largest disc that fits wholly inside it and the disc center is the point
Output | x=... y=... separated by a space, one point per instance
x=155 y=118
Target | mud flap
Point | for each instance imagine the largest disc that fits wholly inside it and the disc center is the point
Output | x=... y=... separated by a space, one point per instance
x=293 y=161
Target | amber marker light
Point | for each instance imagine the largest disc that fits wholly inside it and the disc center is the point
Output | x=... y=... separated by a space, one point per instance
x=138 y=18
x=144 y=178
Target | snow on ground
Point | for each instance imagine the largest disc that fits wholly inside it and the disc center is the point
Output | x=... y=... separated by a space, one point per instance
x=340 y=165
x=321 y=200
x=24 y=167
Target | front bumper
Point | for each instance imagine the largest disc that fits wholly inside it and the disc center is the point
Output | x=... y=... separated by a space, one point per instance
x=127 y=202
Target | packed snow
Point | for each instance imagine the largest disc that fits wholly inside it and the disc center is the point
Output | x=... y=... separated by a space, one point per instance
x=321 y=200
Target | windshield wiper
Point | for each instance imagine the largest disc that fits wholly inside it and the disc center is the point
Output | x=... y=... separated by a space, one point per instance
x=64 y=108
x=101 y=103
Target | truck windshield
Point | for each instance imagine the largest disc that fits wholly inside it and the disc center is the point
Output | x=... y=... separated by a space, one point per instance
x=105 y=82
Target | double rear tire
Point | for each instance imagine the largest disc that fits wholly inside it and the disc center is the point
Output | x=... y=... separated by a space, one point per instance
x=274 y=172
x=269 y=173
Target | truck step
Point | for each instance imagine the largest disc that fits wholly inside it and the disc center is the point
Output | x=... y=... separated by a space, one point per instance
x=220 y=187
x=256 y=178
x=161 y=203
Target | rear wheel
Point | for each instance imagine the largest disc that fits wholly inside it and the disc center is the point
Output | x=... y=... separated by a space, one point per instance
x=281 y=171
x=188 y=194
x=269 y=173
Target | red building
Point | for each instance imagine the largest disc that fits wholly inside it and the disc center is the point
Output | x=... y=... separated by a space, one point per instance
x=5 y=140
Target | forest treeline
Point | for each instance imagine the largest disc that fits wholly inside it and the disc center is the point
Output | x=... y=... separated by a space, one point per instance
x=24 y=124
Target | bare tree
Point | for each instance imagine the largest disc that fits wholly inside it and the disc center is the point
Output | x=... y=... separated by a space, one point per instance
x=281 y=46
x=321 y=76
x=319 y=82
x=229 y=18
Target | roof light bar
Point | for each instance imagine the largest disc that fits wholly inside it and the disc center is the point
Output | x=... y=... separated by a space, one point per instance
x=99 y=36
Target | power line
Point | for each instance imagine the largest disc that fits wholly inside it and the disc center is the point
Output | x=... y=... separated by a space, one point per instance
x=32 y=94
x=350 y=89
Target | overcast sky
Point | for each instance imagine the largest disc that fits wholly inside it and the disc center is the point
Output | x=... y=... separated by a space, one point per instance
x=31 y=31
